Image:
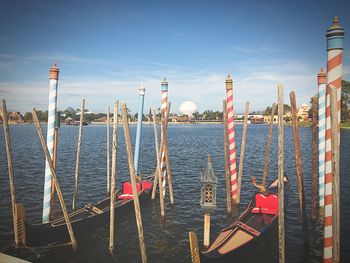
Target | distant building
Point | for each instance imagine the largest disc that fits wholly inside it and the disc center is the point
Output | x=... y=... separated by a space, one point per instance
x=303 y=112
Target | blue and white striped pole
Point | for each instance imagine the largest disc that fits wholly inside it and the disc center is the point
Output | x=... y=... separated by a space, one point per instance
x=139 y=127
x=54 y=71
x=321 y=79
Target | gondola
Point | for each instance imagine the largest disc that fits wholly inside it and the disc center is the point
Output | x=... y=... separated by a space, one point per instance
x=55 y=232
x=255 y=224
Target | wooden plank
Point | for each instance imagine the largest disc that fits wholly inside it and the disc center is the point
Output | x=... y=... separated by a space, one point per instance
x=133 y=183
x=54 y=177
x=4 y=258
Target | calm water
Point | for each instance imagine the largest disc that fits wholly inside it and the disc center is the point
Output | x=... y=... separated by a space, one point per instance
x=166 y=241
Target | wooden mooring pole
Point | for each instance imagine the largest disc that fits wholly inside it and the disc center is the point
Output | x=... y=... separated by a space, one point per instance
x=206 y=239
x=156 y=177
x=227 y=168
x=78 y=154
x=298 y=155
x=113 y=179
x=167 y=161
x=133 y=183
x=281 y=235
x=241 y=157
x=314 y=156
x=10 y=171
x=195 y=258
x=54 y=177
x=108 y=152
x=336 y=182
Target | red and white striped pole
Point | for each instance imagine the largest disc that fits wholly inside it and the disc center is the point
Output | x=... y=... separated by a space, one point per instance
x=231 y=138
x=335 y=36
x=164 y=108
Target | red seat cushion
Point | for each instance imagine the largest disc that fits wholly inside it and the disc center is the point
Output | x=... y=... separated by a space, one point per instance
x=266 y=204
x=127 y=187
x=146 y=185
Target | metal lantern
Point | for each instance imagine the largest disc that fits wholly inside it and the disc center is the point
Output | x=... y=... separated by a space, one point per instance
x=208 y=188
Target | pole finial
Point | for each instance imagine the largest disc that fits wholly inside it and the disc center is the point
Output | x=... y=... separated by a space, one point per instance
x=322 y=77
x=336 y=21
x=54 y=71
x=209 y=158
x=229 y=85
x=142 y=90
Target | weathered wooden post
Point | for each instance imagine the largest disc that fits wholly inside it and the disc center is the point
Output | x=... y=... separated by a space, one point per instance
x=281 y=238
x=335 y=160
x=113 y=179
x=54 y=72
x=195 y=258
x=227 y=168
x=241 y=157
x=335 y=37
x=10 y=171
x=133 y=183
x=139 y=127
x=167 y=161
x=75 y=193
x=156 y=177
x=321 y=79
x=55 y=143
x=231 y=138
x=108 y=152
x=54 y=178
x=314 y=158
x=208 y=198
x=297 y=154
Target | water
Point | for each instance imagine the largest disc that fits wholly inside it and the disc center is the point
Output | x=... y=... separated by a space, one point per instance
x=166 y=241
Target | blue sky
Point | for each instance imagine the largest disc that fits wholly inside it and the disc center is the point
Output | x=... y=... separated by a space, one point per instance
x=106 y=49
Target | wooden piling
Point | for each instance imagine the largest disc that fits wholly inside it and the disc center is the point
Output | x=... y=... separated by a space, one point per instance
x=10 y=171
x=55 y=144
x=227 y=168
x=195 y=258
x=78 y=154
x=133 y=182
x=54 y=177
x=156 y=178
x=167 y=161
x=335 y=160
x=297 y=154
x=281 y=235
x=113 y=179
x=108 y=152
x=314 y=153
x=206 y=239
x=241 y=157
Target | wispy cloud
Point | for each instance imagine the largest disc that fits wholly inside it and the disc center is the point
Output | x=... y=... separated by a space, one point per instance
x=251 y=49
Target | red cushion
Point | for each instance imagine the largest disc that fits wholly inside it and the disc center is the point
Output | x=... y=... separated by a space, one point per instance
x=146 y=185
x=127 y=188
x=126 y=196
x=266 y=204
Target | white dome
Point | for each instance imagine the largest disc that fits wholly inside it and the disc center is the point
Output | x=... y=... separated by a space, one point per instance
x=188 y=108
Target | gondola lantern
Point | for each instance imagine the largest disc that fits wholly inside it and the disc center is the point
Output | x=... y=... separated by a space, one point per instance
x=208 y=198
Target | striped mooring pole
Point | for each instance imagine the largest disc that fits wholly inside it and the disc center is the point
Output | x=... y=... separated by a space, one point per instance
x=335 y=36
x=54 y=71
x=321 y=79
x=164 y=107
x=231 y=138
x=139 y=127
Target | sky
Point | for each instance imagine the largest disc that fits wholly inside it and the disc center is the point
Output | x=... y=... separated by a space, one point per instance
x=106 y=49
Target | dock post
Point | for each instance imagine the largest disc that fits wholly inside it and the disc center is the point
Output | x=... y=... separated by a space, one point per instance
x=321 y=80
x=108 y=152
x=227 y=167
x=54 y=72
x=231 y=138
x=82 y=109
x=281 y=235
x=133 y=183
x=113 y=179
x=167 y=161
x=241 y=157
x=139 y=127
x=314 y=158
x=297 y=155
x=335 y=38
x=335 y=161
x=195 y=258
x=54 y=178
x=206 y=239
x=10 y=171
x=156 y=177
